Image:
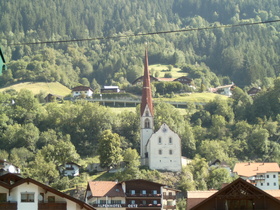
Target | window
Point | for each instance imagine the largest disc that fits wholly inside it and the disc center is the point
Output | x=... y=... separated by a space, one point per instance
x=144 y=202
x=132 y=202
x=147 y=113
x=170 y=140
x=160 y=152
x=261 y=184
x=147 y=123
x=3 y=197
x=274 y=176
x=51 y=199
x=155 y=202
x=274 y=183
x=27 y=197
x=159 y=140
x=132 y=192
x=267 y=183
x=102 y=201
x=170 y=152
x=267 y=176
x=154 y=192
x=144 y=192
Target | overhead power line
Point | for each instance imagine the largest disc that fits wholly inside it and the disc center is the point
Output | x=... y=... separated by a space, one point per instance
x=146 y=34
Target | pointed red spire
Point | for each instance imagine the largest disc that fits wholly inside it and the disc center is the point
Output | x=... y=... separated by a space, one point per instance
x=146 y=91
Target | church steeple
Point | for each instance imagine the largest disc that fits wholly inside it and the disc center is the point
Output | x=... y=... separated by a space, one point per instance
x=147 y=113
x=146 y=91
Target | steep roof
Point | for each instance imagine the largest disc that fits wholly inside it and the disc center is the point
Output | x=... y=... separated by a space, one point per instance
x=2 y=56
x=252 y=169
x=238 y=189
x=105 y=188
x=146 y=90
x=81 y=88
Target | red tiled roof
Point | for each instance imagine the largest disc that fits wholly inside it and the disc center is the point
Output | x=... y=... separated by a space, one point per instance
x=252 y=169
x=105 y=188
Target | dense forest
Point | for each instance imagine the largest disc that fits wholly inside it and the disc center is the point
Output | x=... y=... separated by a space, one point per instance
x=244 y=55
x=39 y=137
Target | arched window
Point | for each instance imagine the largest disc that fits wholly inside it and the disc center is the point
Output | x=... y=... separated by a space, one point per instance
x=147 y=123
x=159 y=140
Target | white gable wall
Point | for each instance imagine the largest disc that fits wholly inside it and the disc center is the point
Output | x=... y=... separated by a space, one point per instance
x=164 y=150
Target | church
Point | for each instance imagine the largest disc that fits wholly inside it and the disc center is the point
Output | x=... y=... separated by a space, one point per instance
x=160 y=150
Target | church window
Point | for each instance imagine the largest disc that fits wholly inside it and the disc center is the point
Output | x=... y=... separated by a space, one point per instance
x=147 y=123
x=160 y=152
x=170 y=140
x=159 y=140
x=170 y=152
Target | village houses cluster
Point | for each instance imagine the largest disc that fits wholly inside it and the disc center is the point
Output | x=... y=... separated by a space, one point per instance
x=257 y=187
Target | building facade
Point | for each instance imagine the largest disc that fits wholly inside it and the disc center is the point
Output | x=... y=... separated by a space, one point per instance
x=160 y=150
x=128 y=195
x=262 y=175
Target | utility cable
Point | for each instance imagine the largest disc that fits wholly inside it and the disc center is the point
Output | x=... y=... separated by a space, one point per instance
x=146 y=34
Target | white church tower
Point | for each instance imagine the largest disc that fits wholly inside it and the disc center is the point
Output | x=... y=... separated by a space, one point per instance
x=160 y=150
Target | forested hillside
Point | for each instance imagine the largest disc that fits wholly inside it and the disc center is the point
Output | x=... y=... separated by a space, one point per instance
x=246 y=54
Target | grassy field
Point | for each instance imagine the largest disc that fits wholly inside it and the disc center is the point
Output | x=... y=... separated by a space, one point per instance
x=37 y=87
x=162 y=69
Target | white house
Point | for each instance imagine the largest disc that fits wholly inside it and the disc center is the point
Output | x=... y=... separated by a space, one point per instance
x=82 y=91
x=6 y=167
x=159 y=150
x=70 y=169
x=17 y=193
x=262 y=175
x=223 y=90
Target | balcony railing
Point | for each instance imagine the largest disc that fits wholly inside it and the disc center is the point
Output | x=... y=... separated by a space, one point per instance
x=52 y=205
x=259 y=178
x=8 y=205
x=169 y=207
x=142 y=195
x=166 y=197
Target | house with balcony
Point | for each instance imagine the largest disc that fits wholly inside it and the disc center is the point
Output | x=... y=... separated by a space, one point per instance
x=127 y=195
x=17 y=193
x=82 y=91
x=262 y=175
x=70 y=169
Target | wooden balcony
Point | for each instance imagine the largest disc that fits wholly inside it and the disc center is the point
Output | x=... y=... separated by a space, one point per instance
x=169 y=207
x=169 y=197
x=8 y=206
x=52 y=205
x=143 y=195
